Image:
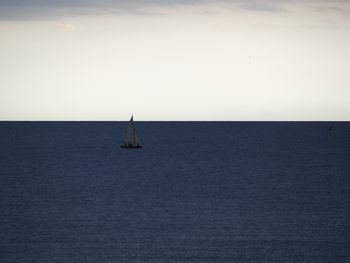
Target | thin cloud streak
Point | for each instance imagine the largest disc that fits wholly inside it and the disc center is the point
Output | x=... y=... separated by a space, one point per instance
x=45 y=9
x=261 y=7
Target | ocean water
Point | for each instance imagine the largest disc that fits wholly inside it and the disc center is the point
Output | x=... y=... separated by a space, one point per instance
x=196 y=192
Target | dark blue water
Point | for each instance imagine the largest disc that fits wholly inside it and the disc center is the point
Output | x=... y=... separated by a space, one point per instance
x=196 y=192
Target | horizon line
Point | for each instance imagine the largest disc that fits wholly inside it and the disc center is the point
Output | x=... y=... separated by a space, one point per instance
x=175 y=120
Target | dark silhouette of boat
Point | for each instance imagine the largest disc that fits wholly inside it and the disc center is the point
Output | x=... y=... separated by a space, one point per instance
x=131 y=140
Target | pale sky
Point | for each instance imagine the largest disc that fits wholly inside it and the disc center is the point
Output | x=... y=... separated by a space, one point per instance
x=175 y=60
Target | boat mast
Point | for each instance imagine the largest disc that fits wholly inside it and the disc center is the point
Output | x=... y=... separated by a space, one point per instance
x=133 y=130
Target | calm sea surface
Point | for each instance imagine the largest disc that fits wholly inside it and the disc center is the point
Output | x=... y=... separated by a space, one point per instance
x=196 y=192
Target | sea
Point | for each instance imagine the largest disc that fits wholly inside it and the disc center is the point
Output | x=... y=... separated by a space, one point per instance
x=195 y=192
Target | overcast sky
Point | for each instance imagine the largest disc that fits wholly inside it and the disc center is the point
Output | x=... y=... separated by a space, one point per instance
x=175 y=60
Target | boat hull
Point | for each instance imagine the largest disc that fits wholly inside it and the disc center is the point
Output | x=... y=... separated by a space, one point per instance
x=130 y=147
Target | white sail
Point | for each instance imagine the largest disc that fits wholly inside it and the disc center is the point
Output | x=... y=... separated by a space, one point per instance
x=131 y=137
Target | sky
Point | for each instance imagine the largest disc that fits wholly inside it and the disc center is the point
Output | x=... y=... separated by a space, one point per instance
x=229 y=60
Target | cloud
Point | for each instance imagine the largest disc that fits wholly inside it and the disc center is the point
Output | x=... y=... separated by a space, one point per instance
x=322 y=9
x=48 y=9
x=260 y=6
x=66 y=26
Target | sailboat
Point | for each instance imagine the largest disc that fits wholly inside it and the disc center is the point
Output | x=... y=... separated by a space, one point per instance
x=131 y=139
